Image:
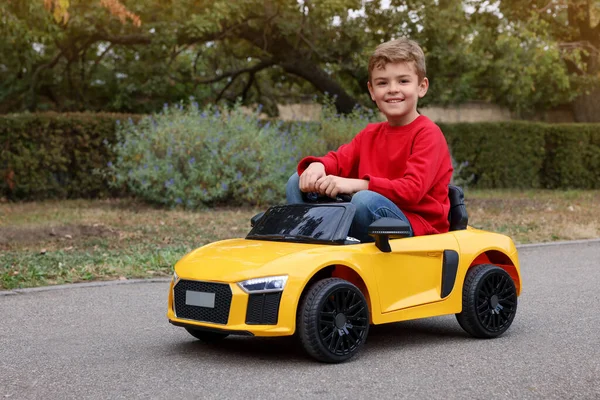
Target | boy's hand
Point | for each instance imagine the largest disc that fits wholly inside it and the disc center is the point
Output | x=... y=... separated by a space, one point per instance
x=332 y=185
x=310 y=176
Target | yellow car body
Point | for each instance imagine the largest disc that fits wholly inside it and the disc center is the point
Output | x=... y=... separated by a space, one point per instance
x=299 y=271
x=400 y=285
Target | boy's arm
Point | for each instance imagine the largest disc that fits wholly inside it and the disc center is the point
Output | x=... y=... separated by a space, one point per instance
x=430 y=151
x=343 y=162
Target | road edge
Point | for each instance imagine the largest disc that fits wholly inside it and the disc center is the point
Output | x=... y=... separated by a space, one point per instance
x=81 y=285
x=166 y=279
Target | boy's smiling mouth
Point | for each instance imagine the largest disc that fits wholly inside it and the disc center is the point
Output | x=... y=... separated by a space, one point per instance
x=394 y=100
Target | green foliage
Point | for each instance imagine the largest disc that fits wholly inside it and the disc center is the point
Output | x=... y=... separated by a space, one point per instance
x=281 y=51
x=525 y=155
x=193 y=157
x=49 y=155
x=572 y=157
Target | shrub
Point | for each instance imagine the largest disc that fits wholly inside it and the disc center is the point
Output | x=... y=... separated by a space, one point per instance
x=572 y=156
x=51 y=155
x=497 y=155
x=198 y=157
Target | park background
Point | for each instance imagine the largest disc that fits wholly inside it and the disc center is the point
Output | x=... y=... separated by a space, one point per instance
x=133 y=132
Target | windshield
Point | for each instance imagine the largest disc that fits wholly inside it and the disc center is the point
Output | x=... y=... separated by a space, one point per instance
x=304 y=223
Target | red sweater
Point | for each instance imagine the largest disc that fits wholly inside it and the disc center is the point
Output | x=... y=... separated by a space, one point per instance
x=410 y=165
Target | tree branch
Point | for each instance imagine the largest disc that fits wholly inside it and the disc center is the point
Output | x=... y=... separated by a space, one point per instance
x=550 y=4
x=235 y=74
x=248 y=85
x=97 y=62
x=37 y=73
x=225 y=88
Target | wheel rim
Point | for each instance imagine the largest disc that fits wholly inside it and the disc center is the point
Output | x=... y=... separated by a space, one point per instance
x=496 y=301
x=343 y=321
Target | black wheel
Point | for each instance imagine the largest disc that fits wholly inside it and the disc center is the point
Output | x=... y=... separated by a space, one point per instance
x=206 y=336
x=489 y=301
x=333 y=321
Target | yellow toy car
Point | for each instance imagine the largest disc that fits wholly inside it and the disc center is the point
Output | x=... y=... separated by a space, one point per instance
x=297 y=272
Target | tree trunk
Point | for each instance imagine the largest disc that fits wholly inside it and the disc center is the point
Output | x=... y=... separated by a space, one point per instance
x=299 y=63
x=344 y=103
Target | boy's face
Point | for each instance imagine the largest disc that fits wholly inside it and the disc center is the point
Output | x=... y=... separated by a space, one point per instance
x=396 y=89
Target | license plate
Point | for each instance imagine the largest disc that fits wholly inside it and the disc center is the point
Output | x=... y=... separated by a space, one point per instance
x=200 y=299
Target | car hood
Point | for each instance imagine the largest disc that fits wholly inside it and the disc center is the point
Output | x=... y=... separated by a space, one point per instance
x=238 y=259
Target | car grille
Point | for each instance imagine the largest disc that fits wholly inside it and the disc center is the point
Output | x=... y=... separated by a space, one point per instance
x=263 y=309
x=218 y=315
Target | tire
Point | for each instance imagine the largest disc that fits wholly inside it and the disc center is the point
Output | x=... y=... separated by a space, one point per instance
x=207 y=336
x=333 y=321
x=489 y=302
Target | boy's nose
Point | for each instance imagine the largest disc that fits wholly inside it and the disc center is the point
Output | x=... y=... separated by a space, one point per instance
x=393 y=88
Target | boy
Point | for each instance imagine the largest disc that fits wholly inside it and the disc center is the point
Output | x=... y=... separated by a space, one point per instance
x=400 y=168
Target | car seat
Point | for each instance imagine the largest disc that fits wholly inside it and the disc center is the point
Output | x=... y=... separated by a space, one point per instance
x=457 y=216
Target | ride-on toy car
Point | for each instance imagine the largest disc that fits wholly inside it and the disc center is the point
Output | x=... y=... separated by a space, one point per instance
x=297 y=271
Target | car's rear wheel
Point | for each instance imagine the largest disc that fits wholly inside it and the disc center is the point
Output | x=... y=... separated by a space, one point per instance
x=206 y=336
x=333 y=321
x=489 y=301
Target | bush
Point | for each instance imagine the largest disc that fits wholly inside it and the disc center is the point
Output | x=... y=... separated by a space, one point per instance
x=572 y=157
x=199 y=157
x=51 y=155
x=497 y=155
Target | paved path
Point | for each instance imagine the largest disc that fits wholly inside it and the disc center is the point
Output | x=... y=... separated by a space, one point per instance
x=114 y=342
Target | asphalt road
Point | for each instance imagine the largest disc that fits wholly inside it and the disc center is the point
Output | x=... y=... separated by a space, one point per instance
x=114 y=341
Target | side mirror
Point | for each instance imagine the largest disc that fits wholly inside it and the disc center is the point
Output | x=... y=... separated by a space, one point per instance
x=254 y=220
x=383 y=228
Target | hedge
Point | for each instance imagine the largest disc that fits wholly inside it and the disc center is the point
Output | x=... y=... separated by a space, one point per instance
x=572 y=157
x=49 y=155
x=54 y=156
x=497 y=155
x=526 y=154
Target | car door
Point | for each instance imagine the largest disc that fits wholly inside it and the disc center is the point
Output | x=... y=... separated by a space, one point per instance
x=411 y=274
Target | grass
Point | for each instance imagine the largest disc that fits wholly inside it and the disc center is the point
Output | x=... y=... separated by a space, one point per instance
x=46 y=243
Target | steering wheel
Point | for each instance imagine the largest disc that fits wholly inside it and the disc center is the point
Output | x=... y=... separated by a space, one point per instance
x=313 y=197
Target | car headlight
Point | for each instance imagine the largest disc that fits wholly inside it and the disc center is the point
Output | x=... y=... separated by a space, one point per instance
x=264 y=285
x=175 y=278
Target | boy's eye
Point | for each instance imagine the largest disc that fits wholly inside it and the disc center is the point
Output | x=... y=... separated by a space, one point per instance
x=381 y=83
x=404 y=81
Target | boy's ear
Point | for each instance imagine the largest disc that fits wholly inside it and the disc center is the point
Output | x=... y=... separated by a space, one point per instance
x=370 y=87
x=423 y=86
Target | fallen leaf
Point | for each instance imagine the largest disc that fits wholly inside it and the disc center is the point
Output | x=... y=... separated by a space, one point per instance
x=43 y=251
x=69 y=236
x=122 y=278
x=69 y=248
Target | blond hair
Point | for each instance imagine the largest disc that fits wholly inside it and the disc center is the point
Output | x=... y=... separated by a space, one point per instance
x=398 y=50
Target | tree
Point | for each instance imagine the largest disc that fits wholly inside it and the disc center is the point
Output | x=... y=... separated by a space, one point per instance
x=575 y=26
x=136 y=55
x=173 y=55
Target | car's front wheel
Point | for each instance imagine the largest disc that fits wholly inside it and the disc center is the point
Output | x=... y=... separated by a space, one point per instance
x=489 y=301
x=206 y=336
x=333 y=321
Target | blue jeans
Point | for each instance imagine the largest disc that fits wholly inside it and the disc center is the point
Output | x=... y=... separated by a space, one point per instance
x=370 y=206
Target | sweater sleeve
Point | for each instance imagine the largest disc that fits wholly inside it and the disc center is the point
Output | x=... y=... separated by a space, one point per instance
x=342 y=162
x=428 y=152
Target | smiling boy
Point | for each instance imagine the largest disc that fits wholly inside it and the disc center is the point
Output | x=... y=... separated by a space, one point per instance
x=400 y=168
